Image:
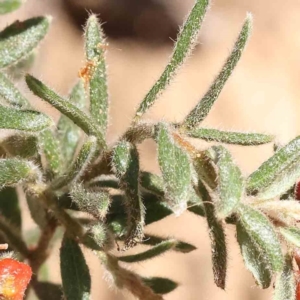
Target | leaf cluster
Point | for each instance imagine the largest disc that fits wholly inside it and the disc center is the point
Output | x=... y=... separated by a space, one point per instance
x=91 y=194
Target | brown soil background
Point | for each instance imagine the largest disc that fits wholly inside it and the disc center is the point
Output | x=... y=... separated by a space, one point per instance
x=262 y=95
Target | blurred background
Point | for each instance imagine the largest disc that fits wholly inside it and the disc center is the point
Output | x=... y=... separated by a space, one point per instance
x=262 y=95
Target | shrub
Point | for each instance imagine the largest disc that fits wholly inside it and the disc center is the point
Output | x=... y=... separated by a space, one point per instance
x=70 y=168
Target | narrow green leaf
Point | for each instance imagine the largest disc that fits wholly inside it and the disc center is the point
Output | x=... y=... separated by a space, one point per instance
x=160 y=285
x=151 y=253
x=217 y=237
x=285 y=285
x=68 y=133
x=76 y=279
x=95 y=47
x=97 y=238
x=152 y=183
x=230 y=183
x=270 y=169
x=51 y=149
x=175 y=166
x=10 y=93
x=24 y=120
x=94 y=203
x=125 y=160
x=15 y=171
x=198 y=114
x=20 y=38
x=25 y=146
x=186 y=41
x=262 y=233
x=282 y=182
x=179 y=247
x=48 y=291
x=291 y=234
x=105 y=182
x=16 y=71
x=67 y=108
x=229 y=137
x=85 y=156
x=254 y=257
x=9 y=206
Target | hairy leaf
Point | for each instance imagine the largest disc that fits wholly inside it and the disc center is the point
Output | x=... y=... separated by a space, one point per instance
x=270 y=169
x=126 y=163
x=24 y=120
x=68 y=133
x=228 y=137
x=94 y=203
x=186 y=41
x=20 y=38
x=198 y=114
x=85 y=156
x=95 y=47
x=217 y=237
x=67 y=108
x=254 y=257
x=262 y=233
x=151 y=253
x=282 y=182
x=10 y=94
x=285 y=285
x=51 y=149
x=152 y=183
x=230 y=185
x=76 y=279
x=160 y=285
x=291 y=234
x=14 y=171
x=176 y=169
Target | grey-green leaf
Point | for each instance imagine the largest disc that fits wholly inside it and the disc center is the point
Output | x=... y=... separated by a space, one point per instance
x=95 y=203
x=67 y=132
x=14 y=171
x=285 y=285
x=95 y=55
x=175 y=166
x=84 y=158
x=24 y=120
x=10 y=94
x=291 y=234
x=51 y=149
x=217 y=237
x=230 y=183
x=274 y=166
x=20 y=38
x=198 y=114
x=262 y=233
x=67 y=108
x=76 y=279
x=254 y=257
x=186 y=41
x=282 y=182
x=7 y=6
x=160 y=285
x=125 y=160
x=157 y=250
x=229 y=137
x=152 y=183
